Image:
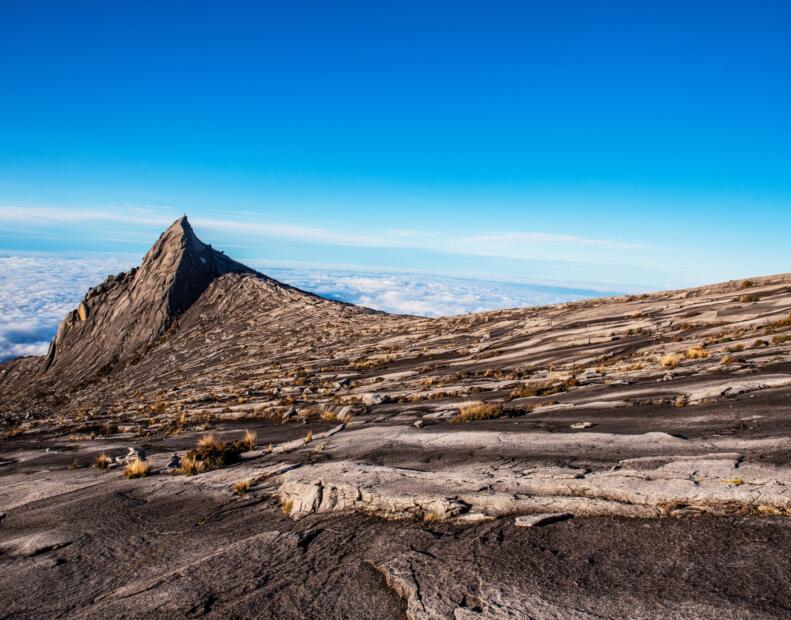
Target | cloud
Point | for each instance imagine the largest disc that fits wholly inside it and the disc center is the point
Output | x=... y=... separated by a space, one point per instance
x=422 y=294
x=38 y=290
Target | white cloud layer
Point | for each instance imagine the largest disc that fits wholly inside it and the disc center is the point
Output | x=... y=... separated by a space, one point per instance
x=38 y=290
x=422 y=294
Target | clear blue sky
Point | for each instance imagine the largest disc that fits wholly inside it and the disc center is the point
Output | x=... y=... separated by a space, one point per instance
x=643 y=143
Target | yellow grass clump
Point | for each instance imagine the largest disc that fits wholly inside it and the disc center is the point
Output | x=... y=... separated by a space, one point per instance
x=208 y=441
x=697 y=352
x=137 y=469
x=670 y=360
x=191 y=465
x=478 y=411
x=249 y=440
x=211 y=453
x=103 y=461
x=241 y=488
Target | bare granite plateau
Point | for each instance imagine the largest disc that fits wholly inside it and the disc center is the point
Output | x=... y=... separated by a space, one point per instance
x=627 y=457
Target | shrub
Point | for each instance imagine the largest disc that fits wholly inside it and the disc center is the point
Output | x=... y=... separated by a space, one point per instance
x=748 y=298
x=191 y=466
x=102 y=461
x=670 y=360
x=697 y=352
x=211 y=453
x=249 y=440
x=137 y=469
x=543 y=389
x=241 y=488
x=478 y=411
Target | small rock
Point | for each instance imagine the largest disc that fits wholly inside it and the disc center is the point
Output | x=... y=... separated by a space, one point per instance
x=418 y=424
x=474 y=517
x=446 y=414
x=543 y=518
x=134 y=454
x=373 y=398
x=292 y=411
x=175 y=461
x=2 y=515
x=581 y=425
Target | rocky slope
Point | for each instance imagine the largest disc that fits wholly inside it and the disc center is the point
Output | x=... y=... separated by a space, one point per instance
x=618 y=412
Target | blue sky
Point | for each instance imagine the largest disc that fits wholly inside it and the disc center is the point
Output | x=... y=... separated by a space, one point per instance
x=608 y=145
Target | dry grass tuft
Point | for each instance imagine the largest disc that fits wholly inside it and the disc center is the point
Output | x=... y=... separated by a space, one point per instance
x=191 y=466
x=241 y=488
x=211 y=453
x=544 y=388
x=249 y=440
x=103 y=461
x=697 y=352
x=478 y=411
x=308 y=438
x=137 y=469
x=745 y=299
x=670 y=360
x=208 y=441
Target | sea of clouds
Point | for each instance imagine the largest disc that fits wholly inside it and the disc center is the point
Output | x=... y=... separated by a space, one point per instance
x=38 y=290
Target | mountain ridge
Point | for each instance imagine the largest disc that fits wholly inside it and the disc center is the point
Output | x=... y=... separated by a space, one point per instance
x=190 y=306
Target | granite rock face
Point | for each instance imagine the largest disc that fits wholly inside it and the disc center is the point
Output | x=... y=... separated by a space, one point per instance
x=127 y=313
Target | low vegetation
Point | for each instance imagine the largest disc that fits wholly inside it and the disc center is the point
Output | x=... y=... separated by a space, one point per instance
x=671 y=360
x=478 y=411
x=249 y=440
x=137 y=469
x=211 y=453
x=243 y=487
x=697 y=352
x=103 y=461
x=547 y=388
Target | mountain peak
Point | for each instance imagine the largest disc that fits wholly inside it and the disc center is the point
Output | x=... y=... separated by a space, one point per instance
x=130 y=311
x=180 y=227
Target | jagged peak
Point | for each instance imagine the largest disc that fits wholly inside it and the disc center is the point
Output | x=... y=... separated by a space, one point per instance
x=131 y=311
x=180 y=228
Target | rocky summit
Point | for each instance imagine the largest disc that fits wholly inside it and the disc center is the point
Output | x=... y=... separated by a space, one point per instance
x=202 y=440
